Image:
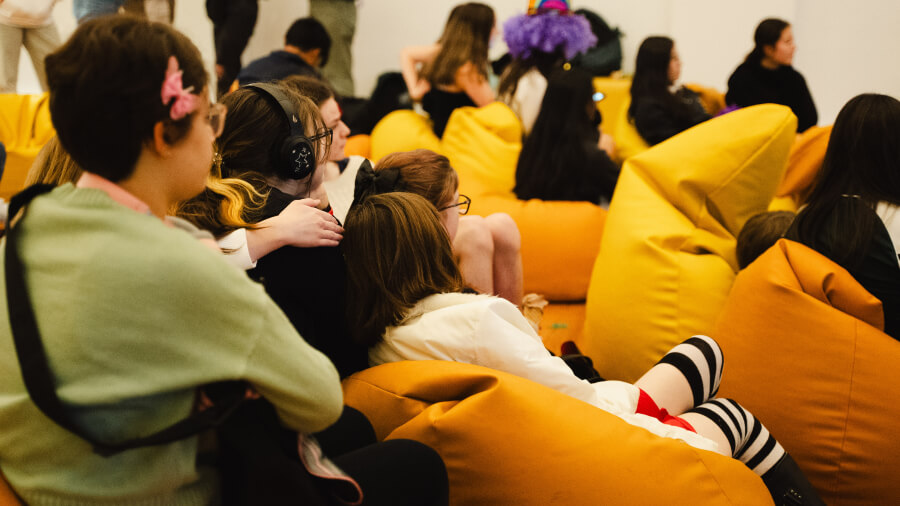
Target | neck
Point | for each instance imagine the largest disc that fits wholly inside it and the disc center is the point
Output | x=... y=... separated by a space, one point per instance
x=306 y=56
x=769 y=63
x=153 y=195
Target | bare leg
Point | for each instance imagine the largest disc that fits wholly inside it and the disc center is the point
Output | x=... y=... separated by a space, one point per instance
x=685 y=377
x=507 y=261
x=474 y=248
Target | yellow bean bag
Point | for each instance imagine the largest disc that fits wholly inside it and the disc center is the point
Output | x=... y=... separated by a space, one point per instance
x=25 y=127
x=559 y=239
x=507 y=440
x=667 y=259
x=805 y=351
x=628 y=141
x=616 y=91
x=402 y=130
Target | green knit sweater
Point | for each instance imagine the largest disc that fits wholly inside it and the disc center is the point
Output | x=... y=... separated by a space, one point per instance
x=134 y=315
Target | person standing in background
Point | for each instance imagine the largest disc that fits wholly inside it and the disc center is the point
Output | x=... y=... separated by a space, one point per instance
x=233 y=24
x=339 y=19
x=26 y=23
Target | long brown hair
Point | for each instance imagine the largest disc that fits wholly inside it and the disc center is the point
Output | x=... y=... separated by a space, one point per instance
x=466 y=37
x=247 y=156
x=397 y=253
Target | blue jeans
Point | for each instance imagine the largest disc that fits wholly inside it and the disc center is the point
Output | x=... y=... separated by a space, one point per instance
x=85 y=9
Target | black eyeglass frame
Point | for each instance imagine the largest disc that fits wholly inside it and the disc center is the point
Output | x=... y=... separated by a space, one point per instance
x=322 y=134
x=465 y=200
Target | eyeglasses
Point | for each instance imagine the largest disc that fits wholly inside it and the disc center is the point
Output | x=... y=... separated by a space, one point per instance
x=463 y=205
x=325 y=133
x=216 y=118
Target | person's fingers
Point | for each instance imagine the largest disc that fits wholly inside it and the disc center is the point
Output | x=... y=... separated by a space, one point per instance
x=308 y=202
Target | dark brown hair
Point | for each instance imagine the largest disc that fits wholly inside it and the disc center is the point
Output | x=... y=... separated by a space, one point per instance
x=397 y=253
x=310 y=87
x=466 y=37
x=760 y=233
x=105 y=85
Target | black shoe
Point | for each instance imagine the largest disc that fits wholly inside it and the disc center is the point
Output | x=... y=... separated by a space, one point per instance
x=789 y=486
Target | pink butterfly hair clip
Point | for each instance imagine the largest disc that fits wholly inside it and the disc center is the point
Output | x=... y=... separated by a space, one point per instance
x=185 y=102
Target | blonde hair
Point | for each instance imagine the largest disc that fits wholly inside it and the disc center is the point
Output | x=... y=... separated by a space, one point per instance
x=397 y=252
x=465 y=39
x=53 y=165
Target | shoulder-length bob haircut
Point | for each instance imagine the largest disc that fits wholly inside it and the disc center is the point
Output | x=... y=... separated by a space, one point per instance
x=397 y=253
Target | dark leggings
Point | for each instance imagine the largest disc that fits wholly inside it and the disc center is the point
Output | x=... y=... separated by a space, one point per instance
x=395 y=472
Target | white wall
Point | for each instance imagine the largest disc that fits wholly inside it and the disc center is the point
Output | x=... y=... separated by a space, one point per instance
x=843 y=49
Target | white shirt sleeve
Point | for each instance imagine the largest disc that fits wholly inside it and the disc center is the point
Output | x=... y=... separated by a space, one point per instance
x=234 y=247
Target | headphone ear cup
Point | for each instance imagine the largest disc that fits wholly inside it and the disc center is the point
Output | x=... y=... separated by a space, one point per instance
x=299 y=157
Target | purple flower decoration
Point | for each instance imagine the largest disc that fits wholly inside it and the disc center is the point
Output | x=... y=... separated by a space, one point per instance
x=546 y=33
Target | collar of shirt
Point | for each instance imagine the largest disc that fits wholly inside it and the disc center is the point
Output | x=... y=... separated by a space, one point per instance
x=115 y=192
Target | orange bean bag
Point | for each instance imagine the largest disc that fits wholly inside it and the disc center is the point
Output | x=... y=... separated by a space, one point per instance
x=667 y=259
x=805 y=351
x=507 y=440
x=804 y=163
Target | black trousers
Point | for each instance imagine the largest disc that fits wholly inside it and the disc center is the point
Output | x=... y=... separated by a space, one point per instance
x=233 y=24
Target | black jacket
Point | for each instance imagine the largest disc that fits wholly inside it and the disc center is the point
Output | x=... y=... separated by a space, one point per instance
x=752 y=84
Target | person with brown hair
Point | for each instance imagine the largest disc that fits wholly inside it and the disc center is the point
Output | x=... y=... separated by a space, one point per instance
x=406 y=302
x=453 y=72
x=760 y=233
x=487 y=248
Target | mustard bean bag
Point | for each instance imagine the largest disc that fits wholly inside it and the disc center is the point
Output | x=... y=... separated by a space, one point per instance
x=805 y=351
x=667 y=259
x=507 y=440
x=25 y=127
x=559 y=239
x=402 y=130
x=628 y=141
x=803 y=166
x=616 y=92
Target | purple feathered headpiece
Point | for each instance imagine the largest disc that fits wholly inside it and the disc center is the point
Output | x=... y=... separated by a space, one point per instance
x=546 y=32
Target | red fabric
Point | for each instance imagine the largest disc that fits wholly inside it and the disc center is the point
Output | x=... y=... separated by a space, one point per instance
x=647 y=406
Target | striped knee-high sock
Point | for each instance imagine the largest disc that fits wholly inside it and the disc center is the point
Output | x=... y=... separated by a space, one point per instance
x=700 y=360
x=751 y=442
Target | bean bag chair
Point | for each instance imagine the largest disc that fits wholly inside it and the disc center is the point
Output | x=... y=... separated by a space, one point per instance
x=667 y=259
x=628 y=141
x=25 y=127
x=804 y=163
x=805 y=351
x=559 y=239
x=7 y=496
x=402 y=130
x=507 y=440
x=712 y=99
x=616 y=91
x=359 y=145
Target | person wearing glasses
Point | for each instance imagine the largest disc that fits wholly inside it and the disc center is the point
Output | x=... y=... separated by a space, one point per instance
x=488 y=249
x=250 y=183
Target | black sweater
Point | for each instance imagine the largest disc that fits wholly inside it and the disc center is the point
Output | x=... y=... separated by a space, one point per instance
x=309 y=285
x=752 y=84
x=657 y=120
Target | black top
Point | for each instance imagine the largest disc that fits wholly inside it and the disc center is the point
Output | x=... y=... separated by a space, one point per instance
x=274 y=67
x=752 y=84
x=657 y=120
x=879 y=270
x=439 y=104
x=309 y=285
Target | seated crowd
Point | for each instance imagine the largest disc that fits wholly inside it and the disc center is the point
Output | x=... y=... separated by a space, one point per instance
x=151 y=201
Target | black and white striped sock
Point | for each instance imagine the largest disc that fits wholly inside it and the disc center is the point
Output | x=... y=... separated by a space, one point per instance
x=700 y=360
x=750 y=441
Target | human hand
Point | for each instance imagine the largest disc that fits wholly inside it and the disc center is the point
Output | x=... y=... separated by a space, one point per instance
x=607 y=144
x=301 y=225
x=419 y=90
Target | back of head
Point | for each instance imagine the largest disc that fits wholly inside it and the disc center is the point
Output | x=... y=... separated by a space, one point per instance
x=310 y=87
x=862 y=162
x=767 y=34
x=651 y=70
x=308 y=34
x=465 y=39
x=760 y=233
x=397 y=252
x=421 y=171
x=105 y=90
x=554 y=151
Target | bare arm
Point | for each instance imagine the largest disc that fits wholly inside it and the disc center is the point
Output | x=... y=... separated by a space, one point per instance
x=475 y=85
x=410 y=59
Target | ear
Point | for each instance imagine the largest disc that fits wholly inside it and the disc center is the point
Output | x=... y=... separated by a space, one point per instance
x=316 y=56
x=160 y=146
x=768 y=51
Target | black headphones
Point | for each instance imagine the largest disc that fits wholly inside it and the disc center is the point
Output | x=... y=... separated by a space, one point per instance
x=296 y=156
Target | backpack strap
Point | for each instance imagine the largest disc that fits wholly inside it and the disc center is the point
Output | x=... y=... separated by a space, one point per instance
x=36 y=372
